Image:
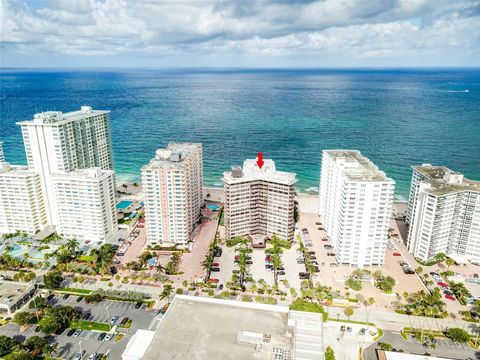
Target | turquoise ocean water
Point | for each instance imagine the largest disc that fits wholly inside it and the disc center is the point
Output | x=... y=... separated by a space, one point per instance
x=397 y=118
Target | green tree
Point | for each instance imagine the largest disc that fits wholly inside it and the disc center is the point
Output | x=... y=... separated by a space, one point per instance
x=52 y=280
x=449 y=262
x=35 y=345
x=22 y=318
x=7 y=345
x=19 y=355
x=166 y=293
x=348 y=311
x=385 y=346
x=457 y=334
x=329 y=353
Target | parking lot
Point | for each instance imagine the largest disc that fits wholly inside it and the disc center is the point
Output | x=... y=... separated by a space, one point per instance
x=101 y=312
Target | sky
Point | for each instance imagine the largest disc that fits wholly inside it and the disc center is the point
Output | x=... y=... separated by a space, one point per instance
x=248 y=33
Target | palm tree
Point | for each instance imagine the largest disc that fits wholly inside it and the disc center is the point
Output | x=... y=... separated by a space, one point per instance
x=328 y=302
x=166 y=293
x=72 y=245
x=449 y=263
x=348 y=311
x=160 y=269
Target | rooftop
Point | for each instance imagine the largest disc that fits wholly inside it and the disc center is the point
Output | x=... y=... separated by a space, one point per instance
x=357 y=167
x=58 y=117
x=85 y=174
x=444 y=181
x=251 y=172
x=202 y=328
x=173 y=156
x=10 y=291
x=6 y=168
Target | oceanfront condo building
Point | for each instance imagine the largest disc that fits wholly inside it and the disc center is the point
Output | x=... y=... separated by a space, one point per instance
x=443 y=214
x=355 y=206
x=63 y=185
x=259 y=202
x=21 y=200
x=173 y=192
x=57 y=142
x=85 y=202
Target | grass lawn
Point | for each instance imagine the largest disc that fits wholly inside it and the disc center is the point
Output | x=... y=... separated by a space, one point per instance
x=89 y=325
x=74 y=291
x=85 y=258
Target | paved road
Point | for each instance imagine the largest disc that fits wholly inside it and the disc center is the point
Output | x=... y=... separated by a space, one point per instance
x=445 y=348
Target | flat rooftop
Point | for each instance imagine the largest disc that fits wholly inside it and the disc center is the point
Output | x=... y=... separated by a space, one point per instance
x=252 y=172
x=200 y=328
x=356 y=166
x=10 y=292
x=58 y=117
x=6 y=168
x=173 y=156
x=444 y=181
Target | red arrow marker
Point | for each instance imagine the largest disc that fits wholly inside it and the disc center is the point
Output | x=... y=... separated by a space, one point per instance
x=260 y=159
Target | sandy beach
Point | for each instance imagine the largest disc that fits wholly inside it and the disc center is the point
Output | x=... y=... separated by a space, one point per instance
x=306 y=203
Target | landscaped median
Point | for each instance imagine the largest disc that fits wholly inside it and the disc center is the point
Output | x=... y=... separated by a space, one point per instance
x=90 y=325
x=455 y=334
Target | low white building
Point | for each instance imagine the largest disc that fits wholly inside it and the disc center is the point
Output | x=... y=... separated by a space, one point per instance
x=21 y=200
x=355 y=206
x=138 y=344
x=85 y=202
x=443 y=214
x=259 y=202
x=13 y=295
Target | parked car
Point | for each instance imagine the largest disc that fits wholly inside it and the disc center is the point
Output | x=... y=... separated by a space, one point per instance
x=138 y=305
x=447 y=292
x=349 y=329
x=79 y=355
x=215 y=264
x=77 y=333
x=66 y=296
x=249 y=262
x=442 y=284
x=450 y=297
x=333 y=264
x=303 y=275
x=362 y=331
x=124 y=321
x=102 y=336
x=215 y=269
x=213 y=280
x=311 y=252
x=71 y=332
x=281 y=272
x=396 y=254
x=235 y=271
x=330 y=254
x=108 y=337
x=268 y=266
x=86 y=316
x=92 y=356
x=113 y=320
x=220 y=287
x=50 y=297
x=342 y=328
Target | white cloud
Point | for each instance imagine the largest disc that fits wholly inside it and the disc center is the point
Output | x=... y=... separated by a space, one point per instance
x=265 y=29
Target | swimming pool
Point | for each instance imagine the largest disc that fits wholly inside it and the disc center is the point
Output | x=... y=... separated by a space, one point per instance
x=124 y=204
x=17 y=249
x=213 y=207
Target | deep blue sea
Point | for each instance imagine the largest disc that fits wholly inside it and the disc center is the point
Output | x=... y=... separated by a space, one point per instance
x=397 y=118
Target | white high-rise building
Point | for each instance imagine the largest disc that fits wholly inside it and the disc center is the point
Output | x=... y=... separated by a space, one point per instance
x=443 y=214
x=85 y=202
x=355 y=206
x=2 y=156
x=259 y=202
x=21 y=201
x=172 y=187
x=57 y=142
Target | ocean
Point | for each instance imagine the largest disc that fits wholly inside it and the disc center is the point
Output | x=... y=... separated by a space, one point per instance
x=398 y=118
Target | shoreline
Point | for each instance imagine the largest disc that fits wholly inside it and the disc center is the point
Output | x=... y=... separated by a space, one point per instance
x=307 y=202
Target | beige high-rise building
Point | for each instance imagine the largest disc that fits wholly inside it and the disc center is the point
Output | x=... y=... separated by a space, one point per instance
x=259 y=202
x=21 y=200
x=172 y=188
